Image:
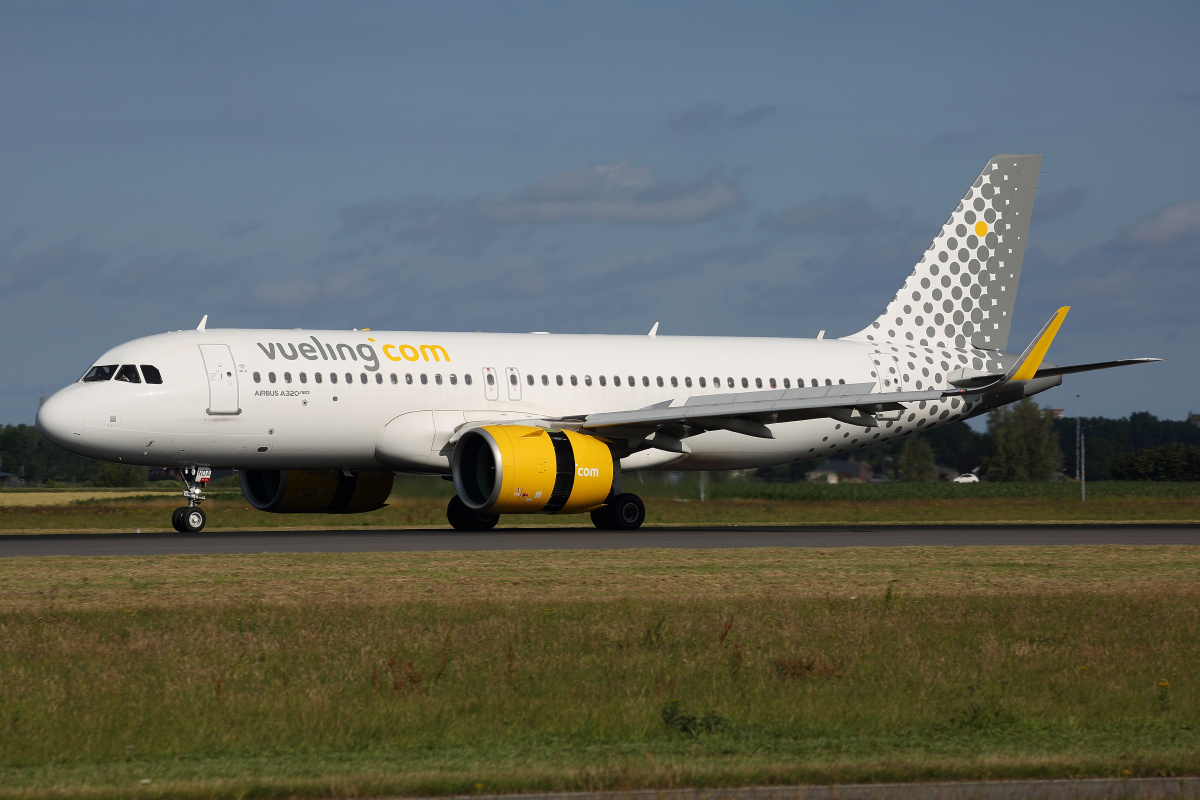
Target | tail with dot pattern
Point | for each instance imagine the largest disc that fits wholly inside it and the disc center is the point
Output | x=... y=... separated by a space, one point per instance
x=962 y=292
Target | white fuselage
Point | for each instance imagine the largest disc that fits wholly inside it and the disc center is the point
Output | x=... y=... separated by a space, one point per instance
x=323 y=399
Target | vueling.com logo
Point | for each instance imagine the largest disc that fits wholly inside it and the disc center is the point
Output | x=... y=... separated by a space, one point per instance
x=365 y=353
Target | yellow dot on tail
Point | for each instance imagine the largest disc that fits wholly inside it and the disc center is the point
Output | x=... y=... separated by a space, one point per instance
x=981 y=228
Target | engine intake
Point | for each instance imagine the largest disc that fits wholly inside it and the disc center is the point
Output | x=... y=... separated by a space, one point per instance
x=316 y=491
x=519 y=469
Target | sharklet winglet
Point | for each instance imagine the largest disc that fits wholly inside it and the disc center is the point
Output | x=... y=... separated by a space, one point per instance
x=203 y=322
x=1029 y=362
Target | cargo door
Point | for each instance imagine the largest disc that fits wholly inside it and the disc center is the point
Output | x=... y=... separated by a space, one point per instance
x=222 y=379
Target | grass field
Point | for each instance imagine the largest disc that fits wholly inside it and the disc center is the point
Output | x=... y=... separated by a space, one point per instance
x=422 y=503
x=307 y=675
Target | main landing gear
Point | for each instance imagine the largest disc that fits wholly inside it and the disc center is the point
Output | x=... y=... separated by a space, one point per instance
x=465 y=519
x=189 y=518
x=625 y=512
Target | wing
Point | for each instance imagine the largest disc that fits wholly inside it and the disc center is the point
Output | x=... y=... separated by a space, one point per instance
x=665 y=425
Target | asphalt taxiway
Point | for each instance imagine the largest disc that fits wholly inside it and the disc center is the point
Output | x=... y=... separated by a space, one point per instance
x=365 y=541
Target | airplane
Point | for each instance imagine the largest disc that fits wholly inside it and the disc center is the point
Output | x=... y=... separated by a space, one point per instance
x=321 y=421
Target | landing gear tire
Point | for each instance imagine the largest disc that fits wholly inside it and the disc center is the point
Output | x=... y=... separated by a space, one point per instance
x=462 y=518
x=177 y=518
x=625 y=512
x=192 y=520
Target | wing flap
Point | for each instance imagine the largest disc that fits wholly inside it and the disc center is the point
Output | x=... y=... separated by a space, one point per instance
x=721 y=412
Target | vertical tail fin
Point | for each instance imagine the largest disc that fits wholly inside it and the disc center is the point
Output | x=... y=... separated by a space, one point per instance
x=962 y=291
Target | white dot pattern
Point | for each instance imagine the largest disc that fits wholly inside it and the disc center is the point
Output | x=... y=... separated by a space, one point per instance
x=961 y=293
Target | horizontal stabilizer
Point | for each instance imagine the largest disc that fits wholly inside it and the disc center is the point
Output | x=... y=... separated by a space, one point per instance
x=1050 y=372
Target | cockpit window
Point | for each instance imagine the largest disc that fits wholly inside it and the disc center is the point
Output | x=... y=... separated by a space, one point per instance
x=100 y=373
x=129 y=373
x=151 y=374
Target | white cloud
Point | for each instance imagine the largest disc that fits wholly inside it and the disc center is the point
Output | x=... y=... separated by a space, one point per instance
x=1173 y=223
x=620 y=192
x=613 y=192
x=826 y=214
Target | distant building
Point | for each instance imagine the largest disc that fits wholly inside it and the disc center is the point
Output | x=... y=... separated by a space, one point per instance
x=10 y=481
x=838 y=471
x=1194 y=419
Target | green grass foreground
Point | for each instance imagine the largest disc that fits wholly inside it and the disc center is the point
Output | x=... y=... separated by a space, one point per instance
x=439 y=673
x=422 y=503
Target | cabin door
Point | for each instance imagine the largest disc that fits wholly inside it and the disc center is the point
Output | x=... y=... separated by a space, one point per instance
x=222 y=379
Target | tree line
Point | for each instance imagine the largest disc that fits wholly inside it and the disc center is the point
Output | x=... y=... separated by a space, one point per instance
x=1025 y=442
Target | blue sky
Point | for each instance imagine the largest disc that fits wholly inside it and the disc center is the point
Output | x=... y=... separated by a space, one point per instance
x=729 y=169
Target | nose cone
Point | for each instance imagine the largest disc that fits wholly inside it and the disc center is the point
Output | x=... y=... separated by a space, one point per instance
x=60 y=419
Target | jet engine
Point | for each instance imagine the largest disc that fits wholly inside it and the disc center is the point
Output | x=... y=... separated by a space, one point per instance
x=316 y=491
x=519 y=469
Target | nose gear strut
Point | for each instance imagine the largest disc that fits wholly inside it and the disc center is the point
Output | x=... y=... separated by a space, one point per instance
x=189 y=518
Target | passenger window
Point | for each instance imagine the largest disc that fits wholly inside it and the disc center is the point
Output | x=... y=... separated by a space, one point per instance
x=453 y=379
x=438 y=379
x=745 y=383
x=528 y=379
x=601 y=381
x=815 y=382
x=646 y=381
x=772 y=382
x=828 y=382
x=632 y=382
x=688 y=381
x=129 y=374
x=702 y=383
x=408 y=378
x=151 y=374
x=270 y=377
x=378 y=377
x=587 y=380
x=258 y=377
x=333 y=377
x=660 y=380
x=574 y=381
x=558 y=379
x=362 y=377
x=729 y=380
x=616 y=380
x=424 y=379
x=545 y=380
x=787 y=383
x=304 y=377
x=349 y=378
x=758 y=383
x=395 y=379
x=287 y=377
x=317 y=377
x=467 y=379
x=841 y=381
x=674 y=381
x=490 y=378
x=99 y=373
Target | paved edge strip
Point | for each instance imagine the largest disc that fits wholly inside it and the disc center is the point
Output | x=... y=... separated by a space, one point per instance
x=1085 y=789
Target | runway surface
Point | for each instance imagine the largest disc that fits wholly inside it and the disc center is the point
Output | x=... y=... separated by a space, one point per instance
x=154 y=544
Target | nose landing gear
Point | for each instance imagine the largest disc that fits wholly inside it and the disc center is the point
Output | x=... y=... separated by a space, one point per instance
x=189 y=518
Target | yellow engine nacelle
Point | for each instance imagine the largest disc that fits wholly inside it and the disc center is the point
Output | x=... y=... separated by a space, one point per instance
x=518 y=469
x=315 y=491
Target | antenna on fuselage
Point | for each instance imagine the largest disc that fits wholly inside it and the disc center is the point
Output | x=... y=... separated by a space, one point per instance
x=203 y=322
